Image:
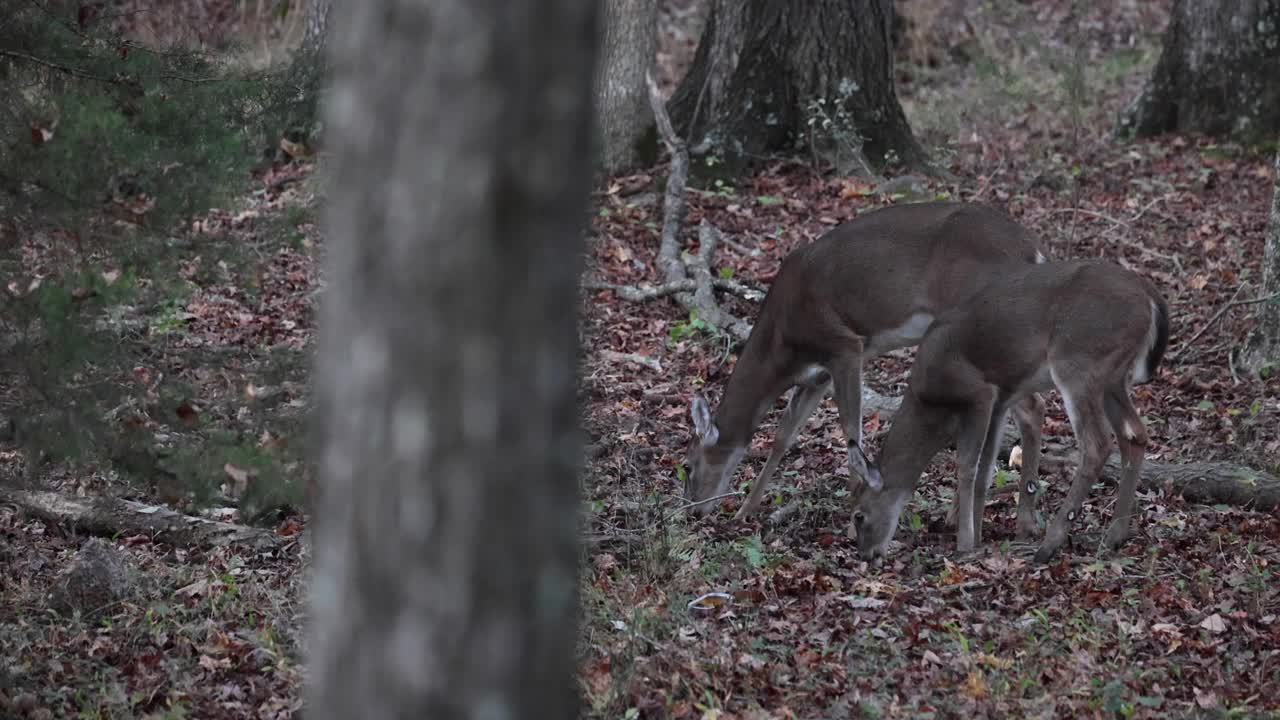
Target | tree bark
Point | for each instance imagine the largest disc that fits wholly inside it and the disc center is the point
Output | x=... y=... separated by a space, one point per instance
x=315 y=30
x=627 y=50
x=309 y=68
x=766 y=68
x=446 y=533
x=1262 y=350
x=1217 y=74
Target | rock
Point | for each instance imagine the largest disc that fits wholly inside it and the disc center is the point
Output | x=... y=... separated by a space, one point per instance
x=99 y=577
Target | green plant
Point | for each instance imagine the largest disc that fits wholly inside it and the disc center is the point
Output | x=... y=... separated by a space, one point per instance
x=832 y=129
x=686 y=329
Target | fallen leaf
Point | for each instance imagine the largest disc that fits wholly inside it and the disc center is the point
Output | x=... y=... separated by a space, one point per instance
x=710 y=601
x=1214 y=624
x=240 y=479
x=187 y=413
x=992 y=661
x=1206 y=699
x=975 y=685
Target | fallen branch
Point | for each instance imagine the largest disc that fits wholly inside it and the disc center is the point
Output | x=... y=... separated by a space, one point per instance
x=634 y=358
x=1210 y=483
x=640 y=293
x=1218 y=315
x=110 y=516
x=673 y=204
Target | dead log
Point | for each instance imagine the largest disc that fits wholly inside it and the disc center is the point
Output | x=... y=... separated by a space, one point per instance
x=112 y=516
x=1211 y=483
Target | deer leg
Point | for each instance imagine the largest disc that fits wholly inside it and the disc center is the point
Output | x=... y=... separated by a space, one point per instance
x=801 y=405
x=846 y=373
x=1087 y=419
x=986 y=467
x=969 y=446
x=1029 y=414
x=1131 y=436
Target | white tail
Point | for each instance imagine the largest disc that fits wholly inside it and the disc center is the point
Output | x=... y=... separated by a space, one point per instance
x=867 y=287
x=1091 y=329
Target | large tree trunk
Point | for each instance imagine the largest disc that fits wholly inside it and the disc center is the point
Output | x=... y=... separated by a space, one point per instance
x=627 y=49
x=1219 y=72
x=1262 y=351
x=446 y=533
x=771 y=72
x=315 y=30
x=309 y=69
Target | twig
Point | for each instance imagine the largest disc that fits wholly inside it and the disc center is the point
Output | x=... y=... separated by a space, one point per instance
x=75 y=72
x=1218 y=315
x=696 y=503
x=635 y=358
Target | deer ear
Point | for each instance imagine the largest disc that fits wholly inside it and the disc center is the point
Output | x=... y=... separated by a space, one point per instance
x=872 y=477
x=864 y=467
x=703 y=425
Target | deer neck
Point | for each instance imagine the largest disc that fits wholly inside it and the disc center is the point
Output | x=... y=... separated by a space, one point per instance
x=752 y=389
x=918 y=433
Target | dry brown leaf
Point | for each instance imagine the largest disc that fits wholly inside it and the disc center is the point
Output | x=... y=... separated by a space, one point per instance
x=1214 y=624
x=975 y=685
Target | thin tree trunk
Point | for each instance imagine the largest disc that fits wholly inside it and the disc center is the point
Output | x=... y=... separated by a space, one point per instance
x=769 y=73
x=1262 y=351
x=1218 y=73
x=627 y=50
x=446 y=535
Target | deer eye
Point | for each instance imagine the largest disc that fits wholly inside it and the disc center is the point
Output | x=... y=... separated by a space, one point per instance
x=859 y=518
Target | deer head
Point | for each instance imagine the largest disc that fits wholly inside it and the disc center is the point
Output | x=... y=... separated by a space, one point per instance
x=709 y=462
x=888 y=482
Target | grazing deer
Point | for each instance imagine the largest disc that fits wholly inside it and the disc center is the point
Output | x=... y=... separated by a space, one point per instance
x=869 y=286
x=1089 y=328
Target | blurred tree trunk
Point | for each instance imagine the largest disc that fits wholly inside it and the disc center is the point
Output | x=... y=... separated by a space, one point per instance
x=1218 y=74
x=315 y=29
x=446 y=533
x=763 y=67
x=628 y=45
x=309 y=68
x=1262 y=351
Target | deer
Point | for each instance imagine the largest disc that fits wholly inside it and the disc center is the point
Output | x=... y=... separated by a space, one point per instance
x=1089 y=328
x=869 y=286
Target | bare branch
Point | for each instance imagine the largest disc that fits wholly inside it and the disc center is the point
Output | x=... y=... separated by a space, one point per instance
x=635 y=358
x=704 y=300
x=1218 y=316
x=640 y=293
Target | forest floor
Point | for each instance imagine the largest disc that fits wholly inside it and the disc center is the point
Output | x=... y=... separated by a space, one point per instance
x=1181 y=622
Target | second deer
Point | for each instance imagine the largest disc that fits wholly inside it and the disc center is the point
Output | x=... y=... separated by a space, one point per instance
x=1089 y=328
x=867 y=287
